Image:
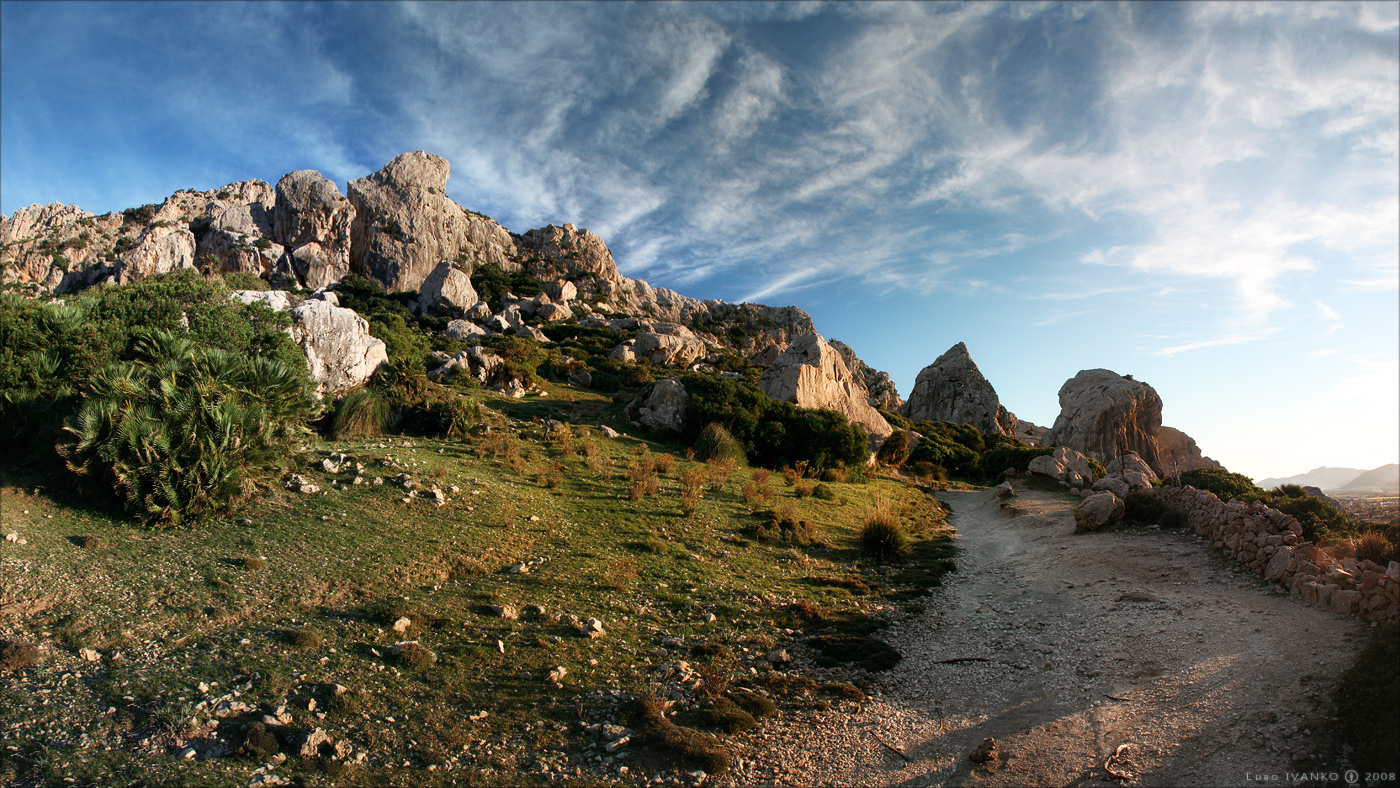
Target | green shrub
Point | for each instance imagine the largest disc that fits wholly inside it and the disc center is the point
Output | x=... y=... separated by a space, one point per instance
x=715 y=443
x=241 y=280
x=1015 y=455
x=1321 y=519
x=1096 y=469
x=184 y=432
x=1378 y=547
x=895 y=450
x=1369 y=701
x=1224 y=484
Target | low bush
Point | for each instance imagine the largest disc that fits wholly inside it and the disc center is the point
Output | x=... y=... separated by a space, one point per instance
x=1224 y=484
x=895 y=450
x=363 y=412
x=715 y=442
x=184 y=432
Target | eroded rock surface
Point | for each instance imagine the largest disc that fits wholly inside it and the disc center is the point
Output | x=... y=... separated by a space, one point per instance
x=879 y=388
x=313 y=220
x=339 y=349
x=811 y=374
x=1103 y=414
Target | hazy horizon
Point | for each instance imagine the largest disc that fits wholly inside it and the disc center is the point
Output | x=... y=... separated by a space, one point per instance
x=1205 y=196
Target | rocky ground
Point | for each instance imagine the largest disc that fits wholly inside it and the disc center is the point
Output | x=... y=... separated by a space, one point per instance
x=1128 y=657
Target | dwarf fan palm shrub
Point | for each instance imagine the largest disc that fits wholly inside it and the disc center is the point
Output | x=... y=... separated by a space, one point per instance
x=183 y=432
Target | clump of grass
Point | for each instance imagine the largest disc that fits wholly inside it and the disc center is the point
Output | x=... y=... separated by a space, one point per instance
x=17 y=655
x=303 y=638
x=753 y=703
x=803 y=489
x=257 y=742
x=930 y=472
x=867 y=652
x=790 y=475
x=1369 y=698
x=715 y=443
x=717 y=471
x=1377 y=547
x=823 y=492
x=726 y=715
x=882 y=536
x=834 y=475
x=620 y=573
x=783 y=525
x=414 y=655
x=363 y=412
x=90 y=542
x=695 y=747
x=843 y=690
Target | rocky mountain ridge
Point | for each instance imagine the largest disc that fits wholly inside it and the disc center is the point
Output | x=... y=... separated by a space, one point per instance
x=397 y=226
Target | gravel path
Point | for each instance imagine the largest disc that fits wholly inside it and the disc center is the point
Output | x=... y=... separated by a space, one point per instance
x=1138 y=642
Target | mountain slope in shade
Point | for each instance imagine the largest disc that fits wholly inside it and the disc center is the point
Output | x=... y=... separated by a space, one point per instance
x=1386 y=477
x=1326 y=478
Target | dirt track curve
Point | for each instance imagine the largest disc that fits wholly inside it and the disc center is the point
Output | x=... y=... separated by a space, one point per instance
x=1091 y=641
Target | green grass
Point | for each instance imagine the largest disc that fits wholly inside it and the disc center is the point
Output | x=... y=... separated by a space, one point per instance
x=295 y=593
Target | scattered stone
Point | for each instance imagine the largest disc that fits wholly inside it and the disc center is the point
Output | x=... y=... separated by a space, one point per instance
x=557 y=675
x=592 y=628
x=402 y=624
x=508 y=612
x=608 y=432
x=519 y=569
x=89 y=655
x=779 y=658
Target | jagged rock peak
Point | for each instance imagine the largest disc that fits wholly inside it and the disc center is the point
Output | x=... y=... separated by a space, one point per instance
x=953 y=389
x=405 y=224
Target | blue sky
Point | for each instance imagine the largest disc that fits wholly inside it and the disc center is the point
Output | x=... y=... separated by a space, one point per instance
x=1206 y=196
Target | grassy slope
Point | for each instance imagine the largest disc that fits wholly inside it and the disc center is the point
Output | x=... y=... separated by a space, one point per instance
x=171 y=609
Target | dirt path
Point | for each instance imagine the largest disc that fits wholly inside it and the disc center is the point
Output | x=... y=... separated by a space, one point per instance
x=1139 y=638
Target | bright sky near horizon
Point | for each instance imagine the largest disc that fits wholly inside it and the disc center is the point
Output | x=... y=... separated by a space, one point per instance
x=1205 y=196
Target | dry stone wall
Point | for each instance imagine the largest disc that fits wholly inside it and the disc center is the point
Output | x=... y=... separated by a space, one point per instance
x=1271 y=543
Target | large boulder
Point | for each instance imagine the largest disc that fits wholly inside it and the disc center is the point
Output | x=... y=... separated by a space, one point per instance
x=811 y=374
x=276 y=300
x=880 y=390
x=447 y=290
x=1179 y=452
x=1104 y=415
x=664 y=407
x=339 y=349
x=953 y=389
x=1099 y=510
x=313 y=220
x=405 y=224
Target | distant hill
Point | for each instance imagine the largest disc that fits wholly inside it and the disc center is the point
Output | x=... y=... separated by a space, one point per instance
x=1386 y=478
x=1326 y=478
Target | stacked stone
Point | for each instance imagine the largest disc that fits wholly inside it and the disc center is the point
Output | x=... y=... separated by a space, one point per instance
x=1271 y=543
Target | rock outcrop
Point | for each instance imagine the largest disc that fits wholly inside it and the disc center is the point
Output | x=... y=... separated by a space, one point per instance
x=405 y=224
x=566 y=252
x=953 y=389
x=880 y=390
x=665 y=344
x=1103 y=415
x=811 y=374
x=339 y=349
x=1064 y=465
x=313 y=220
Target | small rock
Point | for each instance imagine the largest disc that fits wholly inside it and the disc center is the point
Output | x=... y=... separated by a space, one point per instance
x=187 y=754
x=557 y=675
x=608 y=432
x=519 y=569
x=402 y=624
x=708 y=618
x=91 y=655
x=508 y=612
x=12 y=537
x=592 y=628
x=617 y=744
x=779 y=657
